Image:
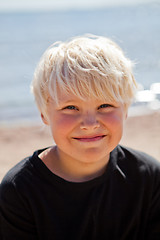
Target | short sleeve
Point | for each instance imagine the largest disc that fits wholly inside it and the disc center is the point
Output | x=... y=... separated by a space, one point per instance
x=16 y=220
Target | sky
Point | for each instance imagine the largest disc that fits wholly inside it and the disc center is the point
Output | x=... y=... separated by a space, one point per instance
x=18 y=5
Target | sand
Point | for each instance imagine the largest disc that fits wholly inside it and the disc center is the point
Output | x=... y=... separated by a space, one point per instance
x=17 y=142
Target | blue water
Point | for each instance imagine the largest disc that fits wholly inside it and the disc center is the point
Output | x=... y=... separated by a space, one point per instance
x=25 y=36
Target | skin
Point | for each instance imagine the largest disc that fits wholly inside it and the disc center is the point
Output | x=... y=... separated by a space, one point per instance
x=85 y=132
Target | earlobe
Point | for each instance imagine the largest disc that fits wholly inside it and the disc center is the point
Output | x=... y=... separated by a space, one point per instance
x=125 y=112
x=126 y=115
x=44 y=119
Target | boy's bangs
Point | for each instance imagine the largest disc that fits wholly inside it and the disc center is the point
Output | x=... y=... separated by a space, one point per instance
x=85 y=89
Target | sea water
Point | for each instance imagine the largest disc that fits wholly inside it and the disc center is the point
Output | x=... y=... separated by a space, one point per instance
x=24 y=36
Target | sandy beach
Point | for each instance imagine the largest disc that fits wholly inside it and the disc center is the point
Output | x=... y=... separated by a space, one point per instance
x=17 y=142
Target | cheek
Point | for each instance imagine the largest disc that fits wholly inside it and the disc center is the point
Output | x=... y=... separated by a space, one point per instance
x=64 y=123
x=113 y=121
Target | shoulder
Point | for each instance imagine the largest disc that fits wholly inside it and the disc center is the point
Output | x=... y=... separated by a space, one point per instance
x=137 y=156
x=137 y=171
x=12 y=187
x=137 y=161
x=16 y=196
x=20 y=177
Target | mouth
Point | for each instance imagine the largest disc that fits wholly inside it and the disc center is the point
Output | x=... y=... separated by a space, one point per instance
x=90 y=139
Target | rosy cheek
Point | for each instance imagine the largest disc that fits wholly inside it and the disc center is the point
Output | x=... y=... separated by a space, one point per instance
x=113 y=119
x=66 y=122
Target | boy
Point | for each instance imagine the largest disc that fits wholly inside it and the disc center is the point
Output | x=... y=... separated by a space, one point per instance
x=87 y=186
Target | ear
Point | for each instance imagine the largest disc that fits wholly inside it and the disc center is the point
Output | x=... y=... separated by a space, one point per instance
x=44 y=119
x=126 y=115
x=125 y=112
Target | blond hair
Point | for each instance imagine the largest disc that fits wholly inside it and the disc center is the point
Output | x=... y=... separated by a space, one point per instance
x=87 y=66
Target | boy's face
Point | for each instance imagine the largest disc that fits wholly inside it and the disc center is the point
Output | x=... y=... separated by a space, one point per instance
x=86 y=131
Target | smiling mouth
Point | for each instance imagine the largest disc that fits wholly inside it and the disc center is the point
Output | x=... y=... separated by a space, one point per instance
x=90 y=139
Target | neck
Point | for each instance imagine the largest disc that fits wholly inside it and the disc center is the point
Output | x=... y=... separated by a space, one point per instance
x=74 y=170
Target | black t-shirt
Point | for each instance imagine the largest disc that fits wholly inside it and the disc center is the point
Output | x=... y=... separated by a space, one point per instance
x=122 y=204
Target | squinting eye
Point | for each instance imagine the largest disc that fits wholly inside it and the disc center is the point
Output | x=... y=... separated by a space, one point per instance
x=104 y=106
x=71 y=107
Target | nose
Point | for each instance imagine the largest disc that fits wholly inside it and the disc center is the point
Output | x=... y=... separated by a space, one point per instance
x=89 y=122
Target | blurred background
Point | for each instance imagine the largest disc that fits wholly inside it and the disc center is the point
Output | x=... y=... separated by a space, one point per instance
x=28 y=27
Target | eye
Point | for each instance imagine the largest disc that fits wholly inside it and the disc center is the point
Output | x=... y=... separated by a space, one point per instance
x=71 y=107
x=105 y=106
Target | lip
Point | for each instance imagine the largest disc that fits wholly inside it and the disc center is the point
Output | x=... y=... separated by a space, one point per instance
x=90 y=138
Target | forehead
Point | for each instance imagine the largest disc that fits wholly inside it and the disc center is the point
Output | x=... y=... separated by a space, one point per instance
x=68 y=97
